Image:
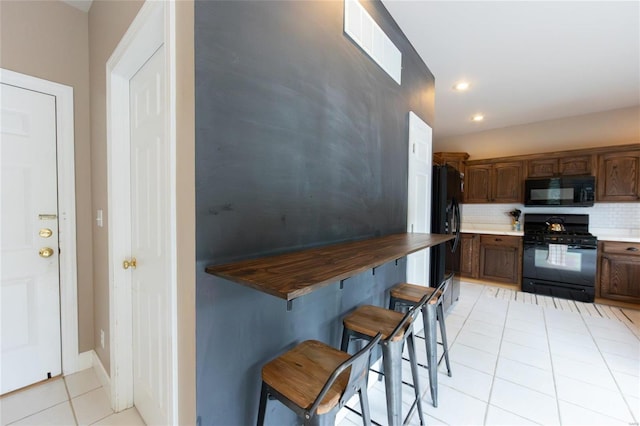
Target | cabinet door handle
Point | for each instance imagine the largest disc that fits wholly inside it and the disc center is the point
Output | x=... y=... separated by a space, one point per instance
x=498 y=239
x=632 y=249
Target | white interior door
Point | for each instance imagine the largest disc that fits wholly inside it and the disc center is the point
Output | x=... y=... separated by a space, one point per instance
x=419 y=195
x=150 y=241
x=30 y=292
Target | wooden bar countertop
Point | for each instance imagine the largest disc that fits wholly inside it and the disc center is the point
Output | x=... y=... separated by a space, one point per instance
x=294 y=274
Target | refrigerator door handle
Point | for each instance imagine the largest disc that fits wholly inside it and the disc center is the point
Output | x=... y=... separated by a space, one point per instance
x=456 y=224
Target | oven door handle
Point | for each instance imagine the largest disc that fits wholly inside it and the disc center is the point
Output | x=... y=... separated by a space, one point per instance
x=569 y=246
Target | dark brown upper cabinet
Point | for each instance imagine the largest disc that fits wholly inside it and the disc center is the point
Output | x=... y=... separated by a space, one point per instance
x=619 y=176
x=501 y=180
x=493 y=183
x=454 y=159
x=564 y=166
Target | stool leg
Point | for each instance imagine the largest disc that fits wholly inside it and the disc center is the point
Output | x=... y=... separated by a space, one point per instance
x=344 y=346
x=364 y=405
x=392 y=303
x=414 y=373
x=264 y=394
x=443 y=332
x=431 y=336
x=392 y=361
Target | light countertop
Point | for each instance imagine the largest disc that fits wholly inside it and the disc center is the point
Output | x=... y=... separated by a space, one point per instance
x=490 y=228
x=603 y=234
x=623 y=235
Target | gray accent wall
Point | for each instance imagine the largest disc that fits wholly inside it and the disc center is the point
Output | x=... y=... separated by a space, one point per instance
x=301 y=141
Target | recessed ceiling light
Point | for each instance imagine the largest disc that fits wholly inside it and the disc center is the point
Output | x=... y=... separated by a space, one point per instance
x=461 y=86
x=477 y=118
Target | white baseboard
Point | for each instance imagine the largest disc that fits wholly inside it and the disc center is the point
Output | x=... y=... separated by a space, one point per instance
x=102 y=374
x=85 y=360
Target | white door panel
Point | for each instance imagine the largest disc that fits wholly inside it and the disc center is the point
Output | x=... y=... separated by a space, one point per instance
x=30 y=292
x=149 y=241
x=419 y=195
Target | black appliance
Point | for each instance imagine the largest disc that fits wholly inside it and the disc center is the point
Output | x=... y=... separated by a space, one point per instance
x=576 y=191
x=445 y=219
x=559 y=256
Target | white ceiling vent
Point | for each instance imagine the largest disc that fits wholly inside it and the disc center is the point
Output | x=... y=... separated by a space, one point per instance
x=362 y=29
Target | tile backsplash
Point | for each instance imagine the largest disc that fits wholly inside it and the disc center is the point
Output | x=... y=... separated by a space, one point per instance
x=602 y=215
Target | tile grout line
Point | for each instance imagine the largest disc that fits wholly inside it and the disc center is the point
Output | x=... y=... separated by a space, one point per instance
x=508 y=298
x=466 y=318
x=553 y=369
x=606 y=363
x=520 y=415
x=495 y=367
x=73 y=410
x=608 y=369
x=599 y=314
x=39 y=411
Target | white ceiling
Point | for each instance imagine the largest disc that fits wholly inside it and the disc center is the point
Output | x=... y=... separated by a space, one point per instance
x=527 y=61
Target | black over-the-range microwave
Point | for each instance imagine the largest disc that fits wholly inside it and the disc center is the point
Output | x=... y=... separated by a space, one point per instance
x=576 y=191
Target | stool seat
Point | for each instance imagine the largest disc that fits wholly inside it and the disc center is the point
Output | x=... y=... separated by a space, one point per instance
x=301 y=373
x=371 y=320
x=414 y=293
x=315 y=381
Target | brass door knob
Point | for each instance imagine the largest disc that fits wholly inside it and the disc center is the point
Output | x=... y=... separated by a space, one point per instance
x=130 y=264
x=45 y=252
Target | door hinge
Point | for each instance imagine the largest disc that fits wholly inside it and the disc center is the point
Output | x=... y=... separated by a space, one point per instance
x=414 y=148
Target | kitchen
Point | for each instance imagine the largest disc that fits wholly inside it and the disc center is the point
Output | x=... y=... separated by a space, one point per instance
x=568 y=208
x=241 y=213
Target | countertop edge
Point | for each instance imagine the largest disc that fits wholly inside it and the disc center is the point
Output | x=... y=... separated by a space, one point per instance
x=491 y=232
x=619 y=239
x=630 y=235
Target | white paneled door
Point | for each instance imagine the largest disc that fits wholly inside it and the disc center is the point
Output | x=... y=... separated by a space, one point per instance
x=419 y=195
x=149 y=241
x=29 y=256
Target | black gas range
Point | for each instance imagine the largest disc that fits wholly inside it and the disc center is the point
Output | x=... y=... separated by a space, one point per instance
x=559 y=256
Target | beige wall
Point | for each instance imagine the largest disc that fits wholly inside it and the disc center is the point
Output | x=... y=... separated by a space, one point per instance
x=108 y=21
x=615 y=127
x=49 y=40
x=186 y=217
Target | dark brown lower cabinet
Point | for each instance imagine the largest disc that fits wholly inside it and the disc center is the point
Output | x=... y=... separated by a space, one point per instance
x=501 y=258
x=495 y=258
x=619 y=271
x=469 y=262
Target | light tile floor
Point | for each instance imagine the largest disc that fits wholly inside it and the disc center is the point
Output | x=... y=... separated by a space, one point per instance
x=520 y=359
x=517 y=359
x=77 y=399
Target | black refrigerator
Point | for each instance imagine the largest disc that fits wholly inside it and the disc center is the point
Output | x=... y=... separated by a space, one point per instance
x=445 y=219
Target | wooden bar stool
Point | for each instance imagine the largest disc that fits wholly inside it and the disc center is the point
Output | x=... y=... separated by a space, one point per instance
x=315 y=380
x=368 y=321
x=406 y=294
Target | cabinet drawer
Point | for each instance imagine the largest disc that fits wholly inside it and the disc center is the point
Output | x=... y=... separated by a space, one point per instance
x=502 y=240
x=617 y=247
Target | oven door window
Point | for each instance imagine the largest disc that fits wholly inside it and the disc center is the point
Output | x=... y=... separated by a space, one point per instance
x=578 y=267
x=570 y=261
